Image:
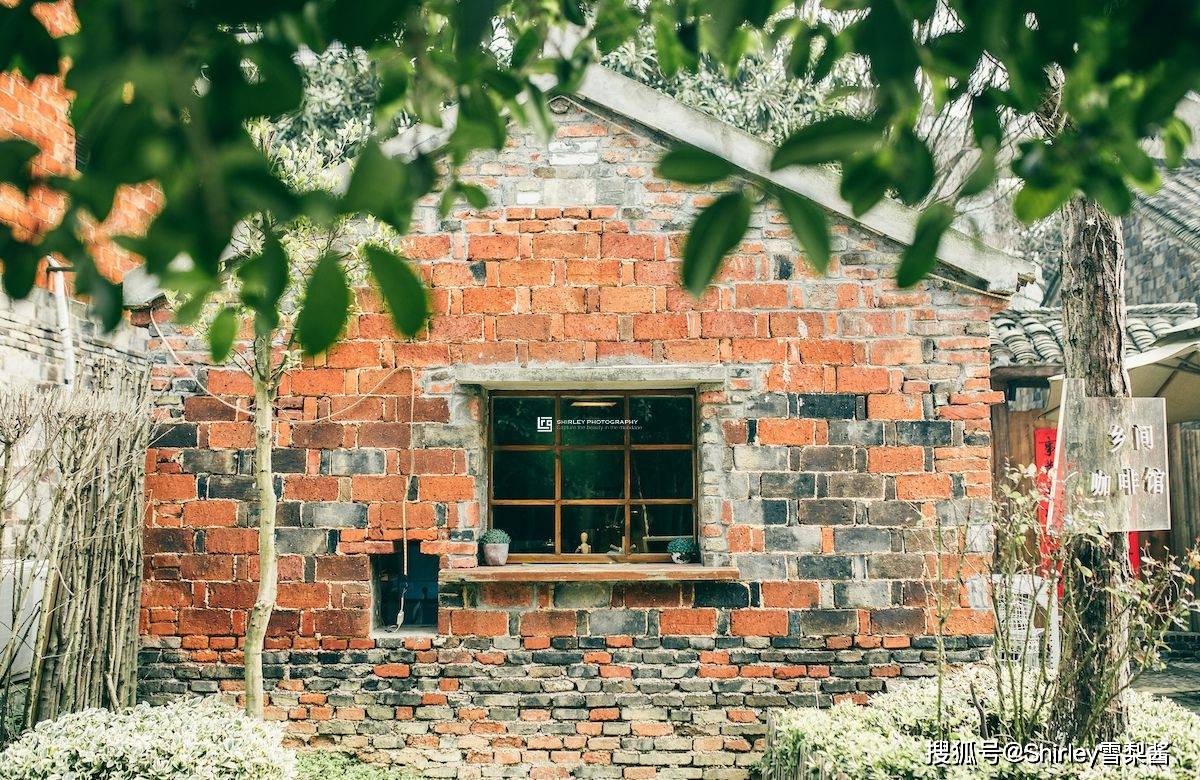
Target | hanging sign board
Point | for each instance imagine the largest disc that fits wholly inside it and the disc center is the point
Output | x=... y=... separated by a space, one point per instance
x=1111 y=462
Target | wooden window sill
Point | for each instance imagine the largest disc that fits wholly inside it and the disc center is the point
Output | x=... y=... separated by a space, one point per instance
x=601 y=572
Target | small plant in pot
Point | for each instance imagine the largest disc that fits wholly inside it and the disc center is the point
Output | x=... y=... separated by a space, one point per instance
x=495 y=547
x=683 y=550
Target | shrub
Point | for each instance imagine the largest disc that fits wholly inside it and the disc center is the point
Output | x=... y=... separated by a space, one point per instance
x=328 y=765
x=193 y=739
x=686 y=547
x=889 y=738
x=495 y=536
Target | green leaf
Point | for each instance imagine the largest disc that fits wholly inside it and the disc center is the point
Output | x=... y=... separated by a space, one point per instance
x=474 y=194
x=920 y=256
x=264 y=279
x=15 y=157
x=667 y=46
x=20 y=264
x=1034 y=203
x=221 y=334
x=825 y=141
x=526 y=46
x=572 y=12
x=326 y=307
x=472 y=18
x=717 y=230
x=402 y=290
x=912 y=168
x=1176 y=135
x=691 y=165
x=1108 y=189
x=810 y=227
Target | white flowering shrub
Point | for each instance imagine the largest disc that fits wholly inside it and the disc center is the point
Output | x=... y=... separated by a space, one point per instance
x=193 y=739
x=889 y=738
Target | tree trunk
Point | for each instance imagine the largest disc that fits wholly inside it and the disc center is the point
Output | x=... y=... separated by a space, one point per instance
x=1094 y=670
x=268 y=565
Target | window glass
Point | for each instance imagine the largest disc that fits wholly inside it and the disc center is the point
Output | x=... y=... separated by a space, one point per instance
x=593 y=474
x=576 y=473
x=663 y=419
x=604 y=527
x=531 y=528
x=653 y=526
x=521 y=419
x=661 y=474
x=523 y=474
x=592 y=420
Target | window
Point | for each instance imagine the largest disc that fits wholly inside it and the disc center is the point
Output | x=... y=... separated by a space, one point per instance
x=593 y=475
x=405 y=590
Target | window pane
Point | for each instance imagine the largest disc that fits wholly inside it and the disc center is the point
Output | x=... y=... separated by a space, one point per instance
x=604 y=526
x=531 y=527
x=593 y=474
x=520 y=474
x=661 y=419
x=522 y=420
x=652 y=527
x=592 y=420
x=661 y=473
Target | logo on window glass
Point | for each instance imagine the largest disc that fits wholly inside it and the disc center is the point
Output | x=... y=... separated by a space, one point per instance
x=545 y=424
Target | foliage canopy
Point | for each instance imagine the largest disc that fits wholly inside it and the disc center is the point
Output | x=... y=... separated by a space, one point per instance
x=171 y=93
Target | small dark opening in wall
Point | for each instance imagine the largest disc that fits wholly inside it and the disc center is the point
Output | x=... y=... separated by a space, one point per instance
x=405 y=600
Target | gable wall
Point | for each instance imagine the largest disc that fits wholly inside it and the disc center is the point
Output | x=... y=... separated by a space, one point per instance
x=851 y=416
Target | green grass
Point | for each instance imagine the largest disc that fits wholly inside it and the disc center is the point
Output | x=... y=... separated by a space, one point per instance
x=330 y=765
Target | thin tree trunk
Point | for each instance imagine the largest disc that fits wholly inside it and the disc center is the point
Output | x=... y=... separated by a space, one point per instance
x=1094 y=664
x=268 y=569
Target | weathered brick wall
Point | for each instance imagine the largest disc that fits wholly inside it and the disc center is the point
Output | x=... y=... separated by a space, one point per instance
x=32 y=349
x=852 y=418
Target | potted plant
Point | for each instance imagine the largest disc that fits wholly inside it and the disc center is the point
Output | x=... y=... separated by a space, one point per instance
x=683 y=550
x=495 y=547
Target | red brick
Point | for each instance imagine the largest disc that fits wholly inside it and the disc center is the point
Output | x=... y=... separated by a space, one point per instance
x=625 y=245
x=165 y=594
x=200 y=514
x=489 y=300
x=205 y=621
x=231 y=540
x=560 y=245
x=473 y=622
x=758 y=622
x=688 y=622
x=324 y=435
x=626 y=299
x=895 y=460
x=316 y=381
x=492 y=247
x=916 y=487
x=791 y=595
x=303 y=595
x=548 y=623
x=205 y=408
x=392 y=670
x=895 y=352
x=507 y=594
x=170 y=487
x=437 y=488
x=790 y=432
x=860 y=379
x=343 y=568
x=895 y=407
x=342 y=622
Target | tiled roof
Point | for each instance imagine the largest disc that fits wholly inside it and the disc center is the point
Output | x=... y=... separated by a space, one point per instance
x=1175 y=207
x=1033 y=337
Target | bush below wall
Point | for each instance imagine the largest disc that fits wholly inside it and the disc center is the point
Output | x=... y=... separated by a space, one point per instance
x=190 y=739
x=889 y=739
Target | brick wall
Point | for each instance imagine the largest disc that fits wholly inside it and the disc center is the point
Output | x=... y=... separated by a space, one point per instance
x=851 y=418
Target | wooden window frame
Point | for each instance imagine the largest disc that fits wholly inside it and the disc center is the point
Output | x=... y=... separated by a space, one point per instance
x=627 y=447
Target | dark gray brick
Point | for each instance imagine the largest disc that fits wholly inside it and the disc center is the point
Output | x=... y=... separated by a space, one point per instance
x=862 y=540
x=826 y=406
x=826 y=511
x=786 y=485
x=356 y=461
x=924 y=433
